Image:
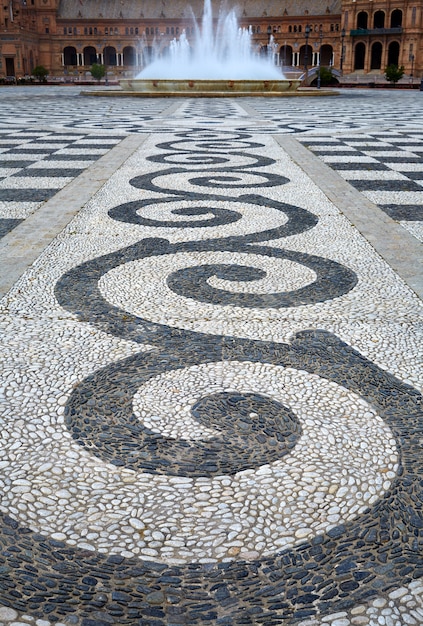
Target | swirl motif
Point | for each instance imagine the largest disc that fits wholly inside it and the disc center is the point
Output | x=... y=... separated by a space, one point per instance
x=237 y=430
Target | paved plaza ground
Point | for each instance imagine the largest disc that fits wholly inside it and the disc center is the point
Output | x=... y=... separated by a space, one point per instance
x=211 y=359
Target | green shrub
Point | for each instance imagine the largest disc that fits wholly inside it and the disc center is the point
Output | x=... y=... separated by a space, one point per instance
x=41 y=73
x=393 y=73
x=98 y=71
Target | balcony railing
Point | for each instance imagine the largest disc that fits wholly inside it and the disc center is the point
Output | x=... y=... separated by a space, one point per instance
x=376 y=31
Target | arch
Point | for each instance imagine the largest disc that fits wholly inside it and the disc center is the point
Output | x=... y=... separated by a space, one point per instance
x=129 y=56
x=89 y=55
x=393 y=53
x=376 y=56
x=285 y=55
x=110 y=57
x=396 y=18
x=306 y=56
x=69 y=56
x=379 y=19
x=362 y=19
x=326 y=55
x=359 y=56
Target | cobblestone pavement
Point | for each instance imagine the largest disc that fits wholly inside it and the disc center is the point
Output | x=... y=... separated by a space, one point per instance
x=211 y=360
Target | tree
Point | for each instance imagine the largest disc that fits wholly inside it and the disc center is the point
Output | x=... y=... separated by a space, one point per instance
x=393 y=73
x=326 y=76
x=98 y=71
x=40 y=72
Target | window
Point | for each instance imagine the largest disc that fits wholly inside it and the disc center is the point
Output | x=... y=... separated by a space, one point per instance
x=362 y=20
x=379 y=20
x=396 y=18
x=413 y=16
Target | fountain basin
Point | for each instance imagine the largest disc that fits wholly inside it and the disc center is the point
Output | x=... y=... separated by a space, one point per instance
x=208 y=88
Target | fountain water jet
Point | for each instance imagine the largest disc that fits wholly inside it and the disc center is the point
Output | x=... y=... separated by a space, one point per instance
x=219 y=64
x=226 y=54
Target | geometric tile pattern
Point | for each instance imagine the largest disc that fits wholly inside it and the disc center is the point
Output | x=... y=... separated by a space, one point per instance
x=386 y=167
x=36 y=164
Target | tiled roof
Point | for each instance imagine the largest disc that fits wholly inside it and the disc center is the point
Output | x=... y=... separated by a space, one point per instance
x=178 y=9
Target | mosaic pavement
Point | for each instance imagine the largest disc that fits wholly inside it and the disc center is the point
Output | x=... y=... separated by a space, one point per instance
x=211 y=380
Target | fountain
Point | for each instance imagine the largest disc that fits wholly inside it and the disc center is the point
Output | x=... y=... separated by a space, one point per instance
x=218 y=64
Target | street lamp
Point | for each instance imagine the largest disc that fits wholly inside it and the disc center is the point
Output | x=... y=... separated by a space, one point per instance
x=306 y=35
x=342 y=48
x=320 y=58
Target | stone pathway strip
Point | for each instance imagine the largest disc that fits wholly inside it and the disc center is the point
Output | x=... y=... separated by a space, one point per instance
x=211 y=377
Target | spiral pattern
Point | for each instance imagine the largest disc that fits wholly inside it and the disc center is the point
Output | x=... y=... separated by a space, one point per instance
x=223 y=413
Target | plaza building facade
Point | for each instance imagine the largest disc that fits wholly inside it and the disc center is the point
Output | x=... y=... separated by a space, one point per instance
x=352 y=37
